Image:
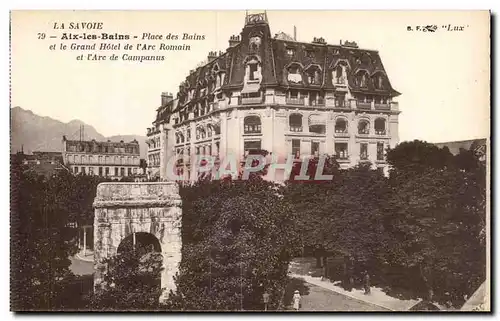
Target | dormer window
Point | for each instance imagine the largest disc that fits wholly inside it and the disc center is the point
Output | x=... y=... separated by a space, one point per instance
x=378 y=81
x=314 y=75
x=294 y=73
x=253 y=69
x=361 y=79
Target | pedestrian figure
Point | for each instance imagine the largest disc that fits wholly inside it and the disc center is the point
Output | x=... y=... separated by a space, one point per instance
x=367 y=282
x=296 y=300
x=265 y=298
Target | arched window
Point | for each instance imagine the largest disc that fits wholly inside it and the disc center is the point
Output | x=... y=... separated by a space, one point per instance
x=252 y=125
x=341 y=125
x=363 y=127
x=295 y=122
x=380 y=126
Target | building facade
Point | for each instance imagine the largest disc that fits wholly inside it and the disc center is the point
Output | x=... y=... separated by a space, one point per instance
x=280 y=95
x=107 y=159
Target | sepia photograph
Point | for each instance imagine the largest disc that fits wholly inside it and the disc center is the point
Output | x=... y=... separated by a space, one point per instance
x=250 y=161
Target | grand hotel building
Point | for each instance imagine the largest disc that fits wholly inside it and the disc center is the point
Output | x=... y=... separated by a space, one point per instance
x=280 y=95
x=114 y=160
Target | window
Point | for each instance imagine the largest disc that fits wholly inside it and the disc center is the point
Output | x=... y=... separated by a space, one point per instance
x=122 y=171
x=129 y=171
x=106 y=171
x=363 y=127
x=252 y=125
x=83 y=170
x=380 y=126
x=252 y=147
x=253 y=70
x=341 y=151
x=76 y=169
x=91 y=170
x=315 y=148
x=363 y=151
x=312 y=99
x=296 y=147
x=217 y=146
x=294 y=73
x=378 y=82
x=100 y=171
x=295 y=122
x=341 y=126
x=340 y=101
x=380 y=151
x=314 y=75
x=116 y=171
x=135 y=171
x=290 y=51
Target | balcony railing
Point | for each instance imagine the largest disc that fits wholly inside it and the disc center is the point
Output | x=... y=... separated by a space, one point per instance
x=342 y=156
x=250 y=100
x=295 y=101
x=380 y=132
x=382 y=106
x=364 y=105
x=317 y=102
x=296 y=128
x=340 y=81
x=341 y=104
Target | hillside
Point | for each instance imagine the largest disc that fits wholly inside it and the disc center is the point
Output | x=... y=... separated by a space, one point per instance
x=36 y=133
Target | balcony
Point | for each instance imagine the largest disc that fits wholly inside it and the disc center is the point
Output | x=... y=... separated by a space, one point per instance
x=342 y=157
x=317 y=102
x=364 y=105
x=382 y=106
x=341 y=104
x=250 y=100
x=342 y=81
x=295 y=101
x=296 y=129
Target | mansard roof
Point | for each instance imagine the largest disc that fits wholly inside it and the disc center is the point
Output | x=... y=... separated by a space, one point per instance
x=274 y=57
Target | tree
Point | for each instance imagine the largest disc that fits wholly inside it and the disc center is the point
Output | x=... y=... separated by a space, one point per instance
x=436 y=223
x=238 y=239
x=417 y=156
x=131 y=283
x=41 y=241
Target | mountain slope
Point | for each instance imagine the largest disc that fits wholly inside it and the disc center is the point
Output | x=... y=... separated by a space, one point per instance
x=36 y=133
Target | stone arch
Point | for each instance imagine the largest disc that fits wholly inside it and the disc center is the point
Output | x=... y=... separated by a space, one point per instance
x=125 y=209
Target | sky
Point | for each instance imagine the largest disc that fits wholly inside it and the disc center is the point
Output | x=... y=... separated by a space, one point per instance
x=443 y=76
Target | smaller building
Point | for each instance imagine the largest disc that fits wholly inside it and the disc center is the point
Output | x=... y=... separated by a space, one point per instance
x=478 y=146
x=42 y=163
x=114 y=160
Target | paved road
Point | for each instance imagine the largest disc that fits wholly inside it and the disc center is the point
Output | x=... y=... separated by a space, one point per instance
x=80 y=267
x=320 y=299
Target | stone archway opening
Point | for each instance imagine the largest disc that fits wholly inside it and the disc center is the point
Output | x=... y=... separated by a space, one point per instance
x=147 y=248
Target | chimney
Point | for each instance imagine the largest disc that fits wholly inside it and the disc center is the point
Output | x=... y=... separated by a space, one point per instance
x=234 y=40
x=166 y=97
x=294 y=33
x=211 y=56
